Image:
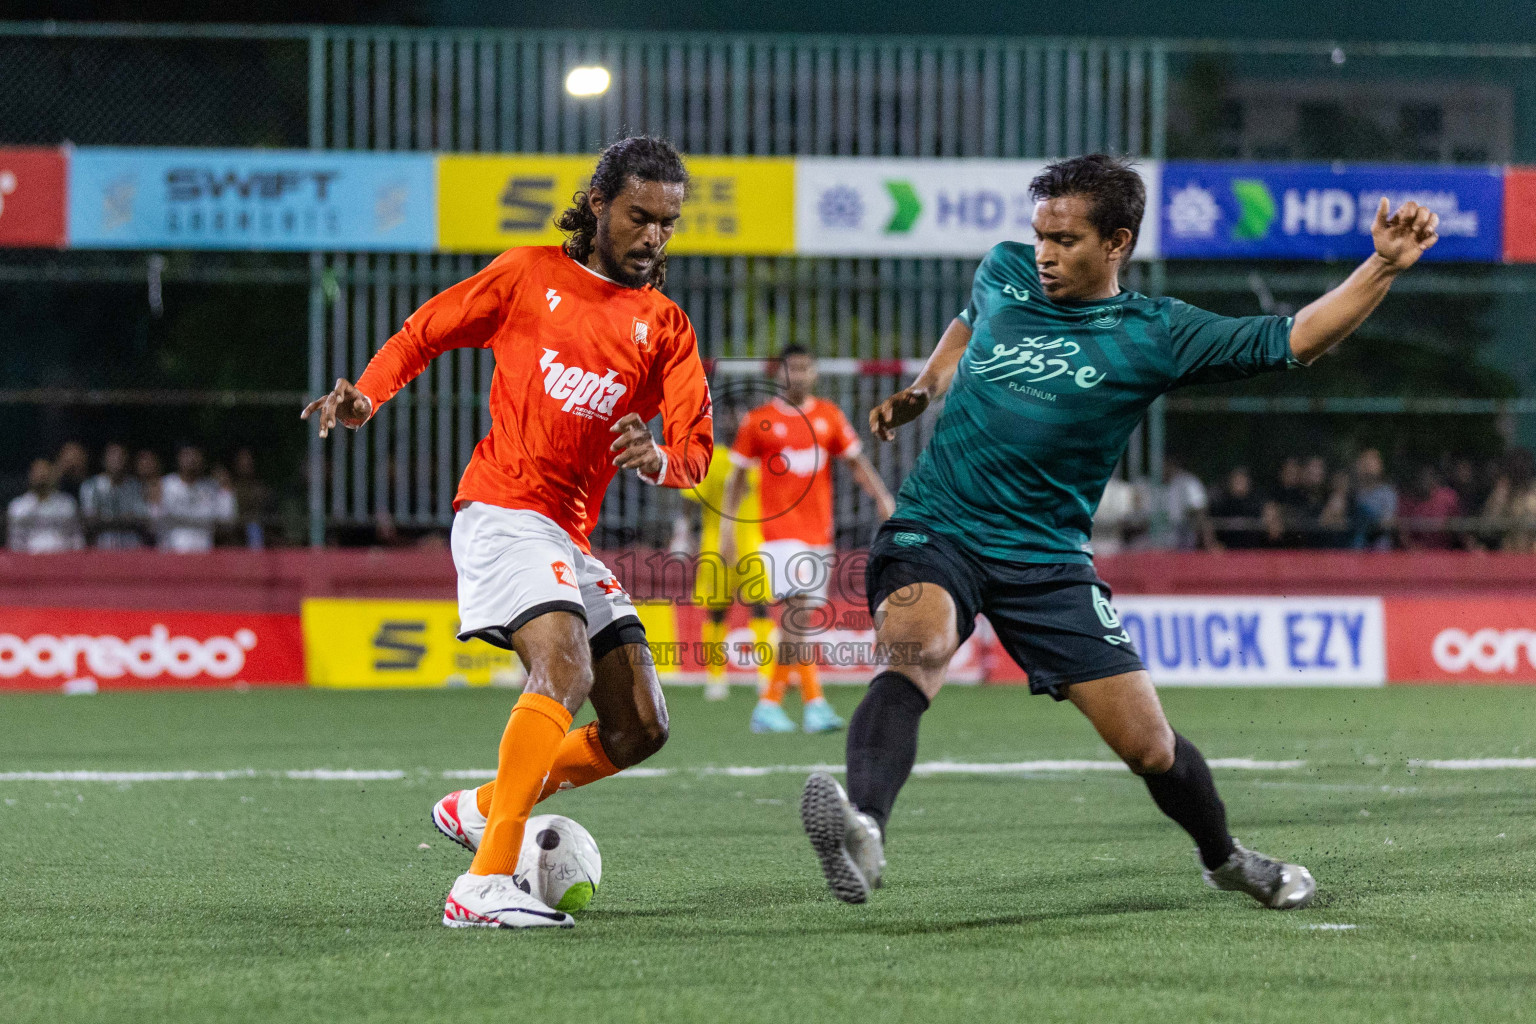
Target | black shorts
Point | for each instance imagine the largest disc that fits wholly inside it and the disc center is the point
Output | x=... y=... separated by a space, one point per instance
x=1054 y=619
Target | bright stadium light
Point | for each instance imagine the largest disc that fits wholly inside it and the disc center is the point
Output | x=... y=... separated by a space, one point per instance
x=592 y=81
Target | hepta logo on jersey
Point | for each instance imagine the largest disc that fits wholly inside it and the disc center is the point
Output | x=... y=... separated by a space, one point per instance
x=582 y=391
x=642 y=334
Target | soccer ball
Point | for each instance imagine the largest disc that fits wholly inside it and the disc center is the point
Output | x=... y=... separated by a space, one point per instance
x=559 y=865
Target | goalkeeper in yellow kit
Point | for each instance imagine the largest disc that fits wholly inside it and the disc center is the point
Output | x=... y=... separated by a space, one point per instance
x=717 y=586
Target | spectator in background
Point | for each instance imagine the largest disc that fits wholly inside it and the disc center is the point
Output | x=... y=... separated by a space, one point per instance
x=192 y=505
x=1423 y=510
x=1118 y=512
x=1375 y=504
x=44 y=519
x=1290 y=499
x=1511 y=504
x=1310 y=498
x=112 y=503
x=253 y=500
x=146 y=469
x=1184 y=503
x=73 y=467
x=1471 y=487
x=1333 y=521
x=1241 y=518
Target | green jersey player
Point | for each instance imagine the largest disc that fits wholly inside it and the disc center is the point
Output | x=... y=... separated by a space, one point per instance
x=1045 y=374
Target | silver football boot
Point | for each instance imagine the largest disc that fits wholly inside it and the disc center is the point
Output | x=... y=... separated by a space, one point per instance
x=1274 y=883
x=846 y=841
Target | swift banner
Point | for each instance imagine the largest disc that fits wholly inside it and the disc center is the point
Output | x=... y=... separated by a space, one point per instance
x=83 y=649
x=1322 y=212
x=736 y=206
x=939 y=207
x=251 y=199
x=31 y=198
x=1258 y=641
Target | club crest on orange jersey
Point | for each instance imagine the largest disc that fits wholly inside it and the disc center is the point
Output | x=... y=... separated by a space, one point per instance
x=564 y=574
x=642 y=334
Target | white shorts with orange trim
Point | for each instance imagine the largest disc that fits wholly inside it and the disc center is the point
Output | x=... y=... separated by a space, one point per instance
x=515 y=565
x=797 y=569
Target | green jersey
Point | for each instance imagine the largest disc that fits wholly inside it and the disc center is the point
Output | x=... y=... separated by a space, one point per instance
x=1046 y=396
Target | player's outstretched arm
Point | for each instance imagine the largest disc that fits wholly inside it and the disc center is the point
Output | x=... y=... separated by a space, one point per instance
x=908 y=404
x=1400 y=240
x=736 y=487
x=464 y=316
x=345 y=405
x=868 y=479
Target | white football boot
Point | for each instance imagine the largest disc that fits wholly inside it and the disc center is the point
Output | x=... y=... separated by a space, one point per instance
x=496 y=901
x=846 y=840
x=1274 y=883
x=458 y=817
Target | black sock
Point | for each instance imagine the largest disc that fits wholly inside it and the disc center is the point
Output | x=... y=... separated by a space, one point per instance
x=882 y=743
x=1187 y=794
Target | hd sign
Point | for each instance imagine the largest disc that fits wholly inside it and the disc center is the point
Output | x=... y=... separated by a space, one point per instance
x=938 y=207
x=1322 y=212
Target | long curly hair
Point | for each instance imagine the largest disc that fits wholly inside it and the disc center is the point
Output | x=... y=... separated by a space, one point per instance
x=640 y=156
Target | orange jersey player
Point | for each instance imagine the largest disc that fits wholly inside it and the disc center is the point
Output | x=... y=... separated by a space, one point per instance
x=792 y=440
x=587 y=351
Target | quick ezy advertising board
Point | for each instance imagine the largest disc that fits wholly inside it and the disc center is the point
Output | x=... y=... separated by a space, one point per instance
x=1257 y=641
x=251 y=199
x=1323 y=211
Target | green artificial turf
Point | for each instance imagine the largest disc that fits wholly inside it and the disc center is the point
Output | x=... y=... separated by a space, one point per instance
x=1056 y=896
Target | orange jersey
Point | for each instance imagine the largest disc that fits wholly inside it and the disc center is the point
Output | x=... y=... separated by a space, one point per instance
x=795 y=448
x=574 y=353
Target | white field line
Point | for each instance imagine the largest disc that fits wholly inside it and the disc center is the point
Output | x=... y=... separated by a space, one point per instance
x=925 y=768
x=1477 y=763
x=239 y=774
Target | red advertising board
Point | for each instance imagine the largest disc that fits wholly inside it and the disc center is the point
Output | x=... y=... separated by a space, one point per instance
x=1438 y=640
x=87 y=648
x=1520 y=215
x=31 y=198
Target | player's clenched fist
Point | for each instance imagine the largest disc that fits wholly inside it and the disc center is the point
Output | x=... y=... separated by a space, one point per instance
x=635 y=445
x=345 y=405
x=1402 y=238
x=901 y=408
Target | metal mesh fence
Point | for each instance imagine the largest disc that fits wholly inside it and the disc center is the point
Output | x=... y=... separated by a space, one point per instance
x=106 y=90
x=714 y=94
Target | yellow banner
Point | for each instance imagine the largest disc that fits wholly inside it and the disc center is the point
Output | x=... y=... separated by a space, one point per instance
x=735 y=205
x=365 y=644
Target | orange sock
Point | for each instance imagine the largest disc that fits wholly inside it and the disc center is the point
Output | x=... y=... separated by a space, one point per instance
x=778 y=682
x=810 y=684
x=581 y=759
x=533 y=736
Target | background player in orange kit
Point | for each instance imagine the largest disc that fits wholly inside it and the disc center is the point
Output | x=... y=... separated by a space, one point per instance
x=587 y=352
x=792 y=439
